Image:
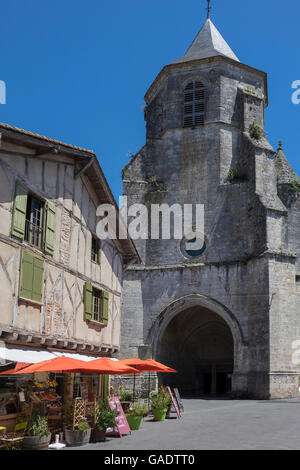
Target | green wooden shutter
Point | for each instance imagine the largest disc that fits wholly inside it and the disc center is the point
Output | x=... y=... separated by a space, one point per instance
x=105 y=304
x=38 y=278
x=49 y=239
x=88 y=301
x=31 y=280
x=19 y=211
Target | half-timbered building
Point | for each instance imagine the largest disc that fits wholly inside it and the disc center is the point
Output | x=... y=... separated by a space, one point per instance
x=60 y=287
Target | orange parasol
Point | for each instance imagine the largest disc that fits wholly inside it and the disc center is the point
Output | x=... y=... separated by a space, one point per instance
x=105 y=365
x=146 y=366
x=158 y=367
x=66 y=364
x=18 y=366
x=58 y=364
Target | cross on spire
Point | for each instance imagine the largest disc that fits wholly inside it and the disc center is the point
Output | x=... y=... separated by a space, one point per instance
x=208 y=8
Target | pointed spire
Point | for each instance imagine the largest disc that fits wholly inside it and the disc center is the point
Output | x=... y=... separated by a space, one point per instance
x=285 y=172
x=208 y=9
x=208 y=43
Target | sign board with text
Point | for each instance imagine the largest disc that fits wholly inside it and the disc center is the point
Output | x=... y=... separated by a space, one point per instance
x=174 y=402
x=178 y=398
x=121 y=421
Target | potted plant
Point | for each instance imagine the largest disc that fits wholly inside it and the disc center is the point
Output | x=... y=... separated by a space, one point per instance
x=160 y=402
x=125 y=400
x=38 y=435
x=80 y=436
x=135 y=415
x=105 y=418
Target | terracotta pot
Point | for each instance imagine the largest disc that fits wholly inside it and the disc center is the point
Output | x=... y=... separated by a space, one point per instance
x=36 y=442
x=77 y=438
x=98 y=435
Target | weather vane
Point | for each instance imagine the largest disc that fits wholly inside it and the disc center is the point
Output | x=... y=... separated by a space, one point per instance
x=208 y=8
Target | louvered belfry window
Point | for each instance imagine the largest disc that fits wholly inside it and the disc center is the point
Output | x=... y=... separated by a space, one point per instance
x=194 y=104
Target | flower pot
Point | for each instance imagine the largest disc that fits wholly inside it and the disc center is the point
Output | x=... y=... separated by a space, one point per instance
x=134 y=422
x=98 y=435
x=159 y=415
x=36 y=442
x=77 y=438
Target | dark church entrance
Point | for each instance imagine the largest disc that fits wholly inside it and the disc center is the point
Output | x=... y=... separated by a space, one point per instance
x=199 y=344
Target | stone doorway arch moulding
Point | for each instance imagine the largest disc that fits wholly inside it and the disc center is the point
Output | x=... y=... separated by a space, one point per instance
x=162 y=321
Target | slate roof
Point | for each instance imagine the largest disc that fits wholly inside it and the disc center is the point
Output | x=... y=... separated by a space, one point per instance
x=208 y=43
x=41 y=137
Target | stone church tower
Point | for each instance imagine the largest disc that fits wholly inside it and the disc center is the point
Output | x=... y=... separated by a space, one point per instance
x=226 y=317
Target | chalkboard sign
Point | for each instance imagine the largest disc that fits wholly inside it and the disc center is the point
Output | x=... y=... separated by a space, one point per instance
x=121 y=421
x=178 y=398
x=174 y=402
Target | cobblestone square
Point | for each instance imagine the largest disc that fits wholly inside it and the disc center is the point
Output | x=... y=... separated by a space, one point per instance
x=218 y=425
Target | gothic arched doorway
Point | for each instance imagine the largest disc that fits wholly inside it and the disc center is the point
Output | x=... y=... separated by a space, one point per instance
x=199 y=344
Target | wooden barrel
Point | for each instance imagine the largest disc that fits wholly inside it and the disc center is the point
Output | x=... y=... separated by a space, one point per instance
x=36 y=442
x=77 y=438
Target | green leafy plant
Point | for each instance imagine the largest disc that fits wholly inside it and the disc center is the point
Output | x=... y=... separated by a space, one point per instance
x=160 y=400
x=125 y=396
x=137 y=409
x=83 y=425
x=294 y=185
x=236 y=175
x=68 y=418
x=157 y=185
x=250 y=90
x=39 y=426
x=154 y=181
x=256 y=132
x=105 y=416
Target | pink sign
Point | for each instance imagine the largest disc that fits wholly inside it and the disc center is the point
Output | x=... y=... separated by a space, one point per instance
x=174 y=402
x=121 y=421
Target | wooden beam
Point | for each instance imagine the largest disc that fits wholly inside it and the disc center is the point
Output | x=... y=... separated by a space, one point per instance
x=45 y=150
x=83 y=169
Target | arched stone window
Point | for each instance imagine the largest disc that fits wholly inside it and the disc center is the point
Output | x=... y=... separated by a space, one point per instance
x=194 y=104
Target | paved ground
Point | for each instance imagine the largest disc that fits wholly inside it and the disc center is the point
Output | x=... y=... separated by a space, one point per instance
x=218 y=424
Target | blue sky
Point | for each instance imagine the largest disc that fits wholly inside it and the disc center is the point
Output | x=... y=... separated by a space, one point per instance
x=77 y=70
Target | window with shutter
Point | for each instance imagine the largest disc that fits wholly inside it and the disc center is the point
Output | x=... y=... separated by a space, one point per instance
x=31 y=278
x=19 y=211
x=194 y=104
x=96 y=304
x=49 y=240
x=34 y=221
